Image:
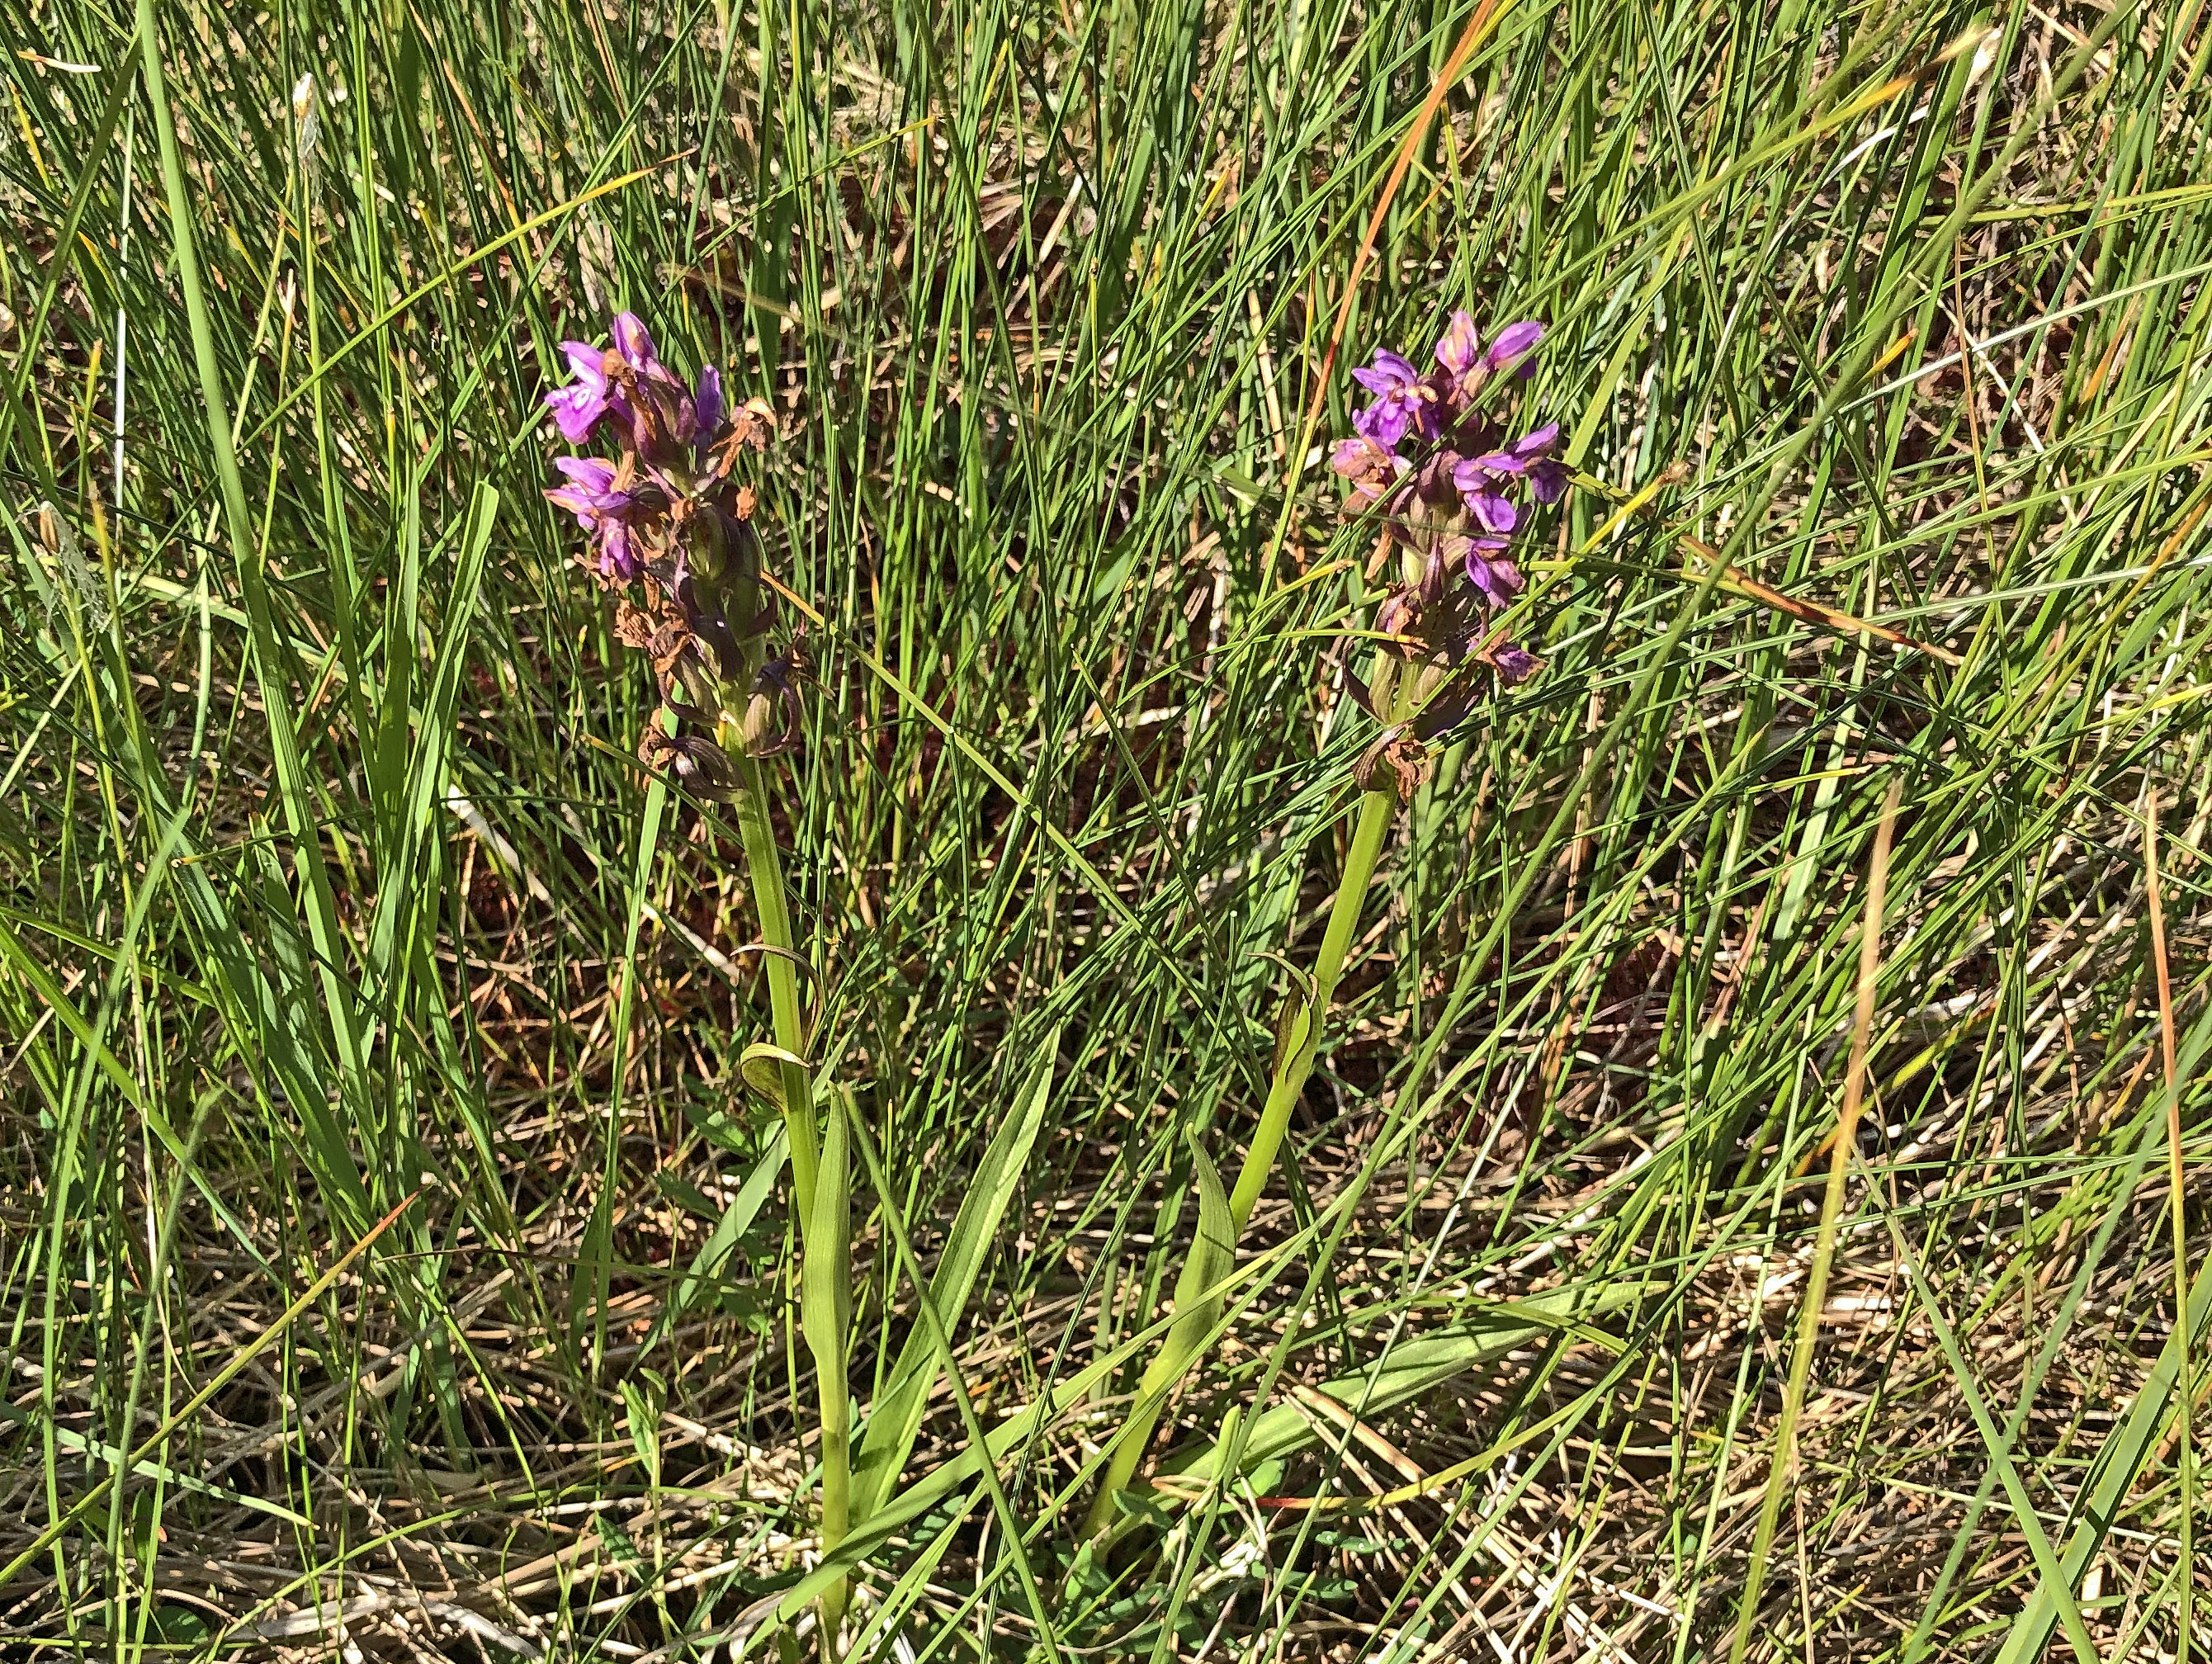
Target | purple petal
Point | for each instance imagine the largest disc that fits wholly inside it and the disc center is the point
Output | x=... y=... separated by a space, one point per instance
x=1489 y=571
x=577 y=409
x=1392 y=373
x=1384 y=422
x=1353 y=458
x=1397 y=365
x=618 y=556
x=1428 y=408
x=1538 y=443
x=588 y=473
x=632 y=341
x=586 y=362
x=1495 y=512
x=1547 y=481
x=594 y=511
x=708 y=407
x=582 y=504
x=1513 y=341
x=1460 y=346
x=589 y=493
x=1515 y=665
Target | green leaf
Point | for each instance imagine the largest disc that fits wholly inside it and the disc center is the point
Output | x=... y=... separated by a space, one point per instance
x=895 y=1419
x=179 y=1626
x=1413 y=1367
x=761 y=1066
x=100 y=1451
x=721 y=1129
x=1292 y=1024
x=825 y=1275
x=1197 y=1297
x=940 y=1483
x=706 y=1268
x=644 y=1426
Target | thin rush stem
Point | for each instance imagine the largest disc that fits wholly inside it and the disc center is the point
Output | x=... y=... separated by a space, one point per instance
x=765 y=869
x=1377 y=808
x=1781 y=1475
x=2177 y=1187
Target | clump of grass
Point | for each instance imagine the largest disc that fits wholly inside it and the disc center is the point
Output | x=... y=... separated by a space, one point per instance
x=336 y=892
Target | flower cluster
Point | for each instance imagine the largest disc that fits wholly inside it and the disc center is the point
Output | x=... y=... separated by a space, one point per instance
x=668 y=534
x=1444 y=472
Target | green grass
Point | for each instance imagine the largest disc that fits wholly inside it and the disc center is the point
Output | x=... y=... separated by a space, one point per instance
x=328 y=879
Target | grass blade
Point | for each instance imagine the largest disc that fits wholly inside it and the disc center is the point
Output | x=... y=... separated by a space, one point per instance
x=895 y=1419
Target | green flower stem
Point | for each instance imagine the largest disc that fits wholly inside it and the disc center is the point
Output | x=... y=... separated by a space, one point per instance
x=1377 y=810
x=821 y=1232
x=1180 y=1347
x=765 y=870
x=837 y=1497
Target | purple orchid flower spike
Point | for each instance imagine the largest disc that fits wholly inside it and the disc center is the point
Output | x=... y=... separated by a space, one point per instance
x=578 y=406
x=1400 y=401
x=664 y=511
x=1438 y=462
